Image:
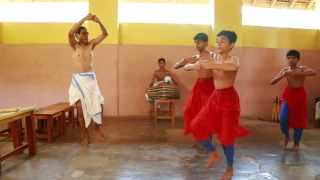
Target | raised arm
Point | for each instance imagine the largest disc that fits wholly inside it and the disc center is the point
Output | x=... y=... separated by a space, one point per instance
x=306 y=72
x=280 y=76
x=232 y=64
x=185 y=61
x=74 y=29
x=102 y=36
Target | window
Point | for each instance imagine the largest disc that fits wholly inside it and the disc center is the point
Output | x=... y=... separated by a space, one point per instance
x=43 y=11
x=165 y=13
x=283 y=18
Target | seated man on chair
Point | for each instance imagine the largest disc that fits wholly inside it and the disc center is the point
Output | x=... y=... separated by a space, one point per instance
x=163 y=77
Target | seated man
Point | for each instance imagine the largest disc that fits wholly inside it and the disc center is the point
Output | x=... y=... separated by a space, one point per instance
x=163 y=77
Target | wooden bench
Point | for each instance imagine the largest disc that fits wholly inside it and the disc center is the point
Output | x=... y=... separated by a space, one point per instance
x=47 y=127
x=67 y=109
x=172 y=112
x=13 y=118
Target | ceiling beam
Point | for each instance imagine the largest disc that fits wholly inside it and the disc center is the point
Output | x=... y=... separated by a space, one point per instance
x=310 y=3
x=292 y=3
x=273 y=2
x=254 y=2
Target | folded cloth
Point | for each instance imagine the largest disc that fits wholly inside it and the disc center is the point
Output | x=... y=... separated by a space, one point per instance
x=84 y=87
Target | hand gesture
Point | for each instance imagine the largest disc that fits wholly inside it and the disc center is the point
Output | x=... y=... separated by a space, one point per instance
x=195 y=66
x=192 y=59
x=96 y=19
x=89 y=16
x=289 y=73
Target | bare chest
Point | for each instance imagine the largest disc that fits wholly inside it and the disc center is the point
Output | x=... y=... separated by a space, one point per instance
x=82 y=54
x=160 y=75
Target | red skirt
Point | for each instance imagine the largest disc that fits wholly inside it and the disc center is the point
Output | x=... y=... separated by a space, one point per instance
x=198 y=96
x=220 y=115
x=296 y=99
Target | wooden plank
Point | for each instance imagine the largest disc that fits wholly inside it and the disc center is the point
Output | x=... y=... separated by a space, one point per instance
x=14 y=152
x=273 y=2
x=164 y=117
x=292 y=3
x=254 y=2
x=47 y=112
x=4 y=116
x=310 y=4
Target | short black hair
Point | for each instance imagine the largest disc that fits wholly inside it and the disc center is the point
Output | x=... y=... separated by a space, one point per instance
x=80 y=28
x=201 y=36
x=161 y=60
x=293 y=53
x=232 y=36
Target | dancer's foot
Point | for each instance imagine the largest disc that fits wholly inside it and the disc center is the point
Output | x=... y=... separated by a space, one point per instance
x=286 y=141
x=213 y=158
x=295 y=148
x=85 y=142
x=228 y=174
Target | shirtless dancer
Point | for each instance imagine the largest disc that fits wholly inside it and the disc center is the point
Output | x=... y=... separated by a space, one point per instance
x=84 y=91
x=221 y=113
x=160 y=75
x=294 y=108
x=204 y=85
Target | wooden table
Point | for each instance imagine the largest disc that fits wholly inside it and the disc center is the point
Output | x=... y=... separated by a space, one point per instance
x=26 y=114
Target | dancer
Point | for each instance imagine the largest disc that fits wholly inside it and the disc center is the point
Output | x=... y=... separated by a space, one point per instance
x=204 y=85
x=84 y=91
x=221 y=113
x=294 y=108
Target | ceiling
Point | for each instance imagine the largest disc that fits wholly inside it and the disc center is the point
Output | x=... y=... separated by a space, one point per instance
x=288 y=4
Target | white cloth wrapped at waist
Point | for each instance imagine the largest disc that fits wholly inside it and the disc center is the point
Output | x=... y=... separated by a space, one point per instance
x=84 y=87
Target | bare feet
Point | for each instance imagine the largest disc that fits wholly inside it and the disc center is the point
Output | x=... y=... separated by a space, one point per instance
x=85 y=142
x=213 y=158
x=228 y=174
x=99 y=133
x=295 y=148
x=286 y=141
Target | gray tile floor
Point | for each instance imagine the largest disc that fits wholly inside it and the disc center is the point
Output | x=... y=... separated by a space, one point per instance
x=136 y=150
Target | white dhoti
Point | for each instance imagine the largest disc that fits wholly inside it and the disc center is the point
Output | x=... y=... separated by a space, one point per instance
x=317 y=111
x=84 y=87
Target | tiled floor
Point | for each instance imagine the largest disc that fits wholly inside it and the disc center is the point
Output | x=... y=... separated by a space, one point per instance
x=136 y=150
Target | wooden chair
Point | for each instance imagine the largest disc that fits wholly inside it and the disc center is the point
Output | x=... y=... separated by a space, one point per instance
x=172 y=112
